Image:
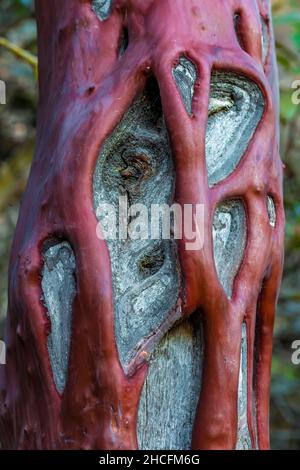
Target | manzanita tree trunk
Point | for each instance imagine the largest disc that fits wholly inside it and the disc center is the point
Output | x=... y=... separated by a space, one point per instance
x=126 y=343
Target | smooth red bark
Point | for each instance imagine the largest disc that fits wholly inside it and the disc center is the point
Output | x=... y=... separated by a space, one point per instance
x=85 y=89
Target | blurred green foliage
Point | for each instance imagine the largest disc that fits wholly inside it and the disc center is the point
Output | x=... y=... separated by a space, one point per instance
x=17 y=128
x=17 y=124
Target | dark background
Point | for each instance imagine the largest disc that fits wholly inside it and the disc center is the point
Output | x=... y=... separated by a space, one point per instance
x=17 y=133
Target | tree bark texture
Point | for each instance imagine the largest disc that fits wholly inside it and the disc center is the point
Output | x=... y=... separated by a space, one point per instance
x=126 y=345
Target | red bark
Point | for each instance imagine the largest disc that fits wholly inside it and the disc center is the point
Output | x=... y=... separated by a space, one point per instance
x=85 y=89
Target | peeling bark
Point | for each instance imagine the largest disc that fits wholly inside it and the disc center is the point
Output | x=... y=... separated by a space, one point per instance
x=174 y=84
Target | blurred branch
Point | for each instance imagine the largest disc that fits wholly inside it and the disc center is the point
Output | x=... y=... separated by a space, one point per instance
x=31 y=59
